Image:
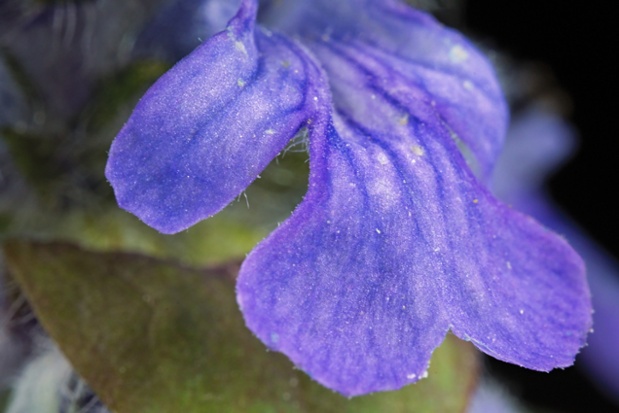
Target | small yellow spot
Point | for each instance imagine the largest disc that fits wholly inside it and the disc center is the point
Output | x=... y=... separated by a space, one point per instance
x=269 y=132
x=240 y=82
x=403 y=120
x=417 y=150
x=285 y=64
x=476 y=201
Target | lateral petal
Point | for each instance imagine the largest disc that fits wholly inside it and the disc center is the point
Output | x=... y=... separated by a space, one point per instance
x=209 y=126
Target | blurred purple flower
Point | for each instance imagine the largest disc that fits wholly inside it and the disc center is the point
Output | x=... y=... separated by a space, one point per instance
x=490 y=398
x=65 y=48
x=397 y=241
x=537 y=143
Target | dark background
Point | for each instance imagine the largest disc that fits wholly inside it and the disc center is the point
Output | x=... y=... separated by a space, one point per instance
x=579 y=42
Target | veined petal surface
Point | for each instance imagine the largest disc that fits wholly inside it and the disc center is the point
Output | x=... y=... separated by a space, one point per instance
x=211 y=124
x=397 y=243
x=438 y=65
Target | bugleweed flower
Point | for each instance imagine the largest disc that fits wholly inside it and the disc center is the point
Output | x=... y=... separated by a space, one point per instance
x=397 y=241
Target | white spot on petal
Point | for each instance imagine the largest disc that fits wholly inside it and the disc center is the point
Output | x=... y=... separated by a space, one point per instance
x=457 y=54
x=382 y=158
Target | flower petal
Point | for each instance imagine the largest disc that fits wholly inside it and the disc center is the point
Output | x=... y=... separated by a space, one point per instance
x=436 y=64
x=210 y=125
x=396 y=243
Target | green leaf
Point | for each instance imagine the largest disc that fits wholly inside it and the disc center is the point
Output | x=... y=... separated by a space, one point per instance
x=95 y=222
x=152 y=336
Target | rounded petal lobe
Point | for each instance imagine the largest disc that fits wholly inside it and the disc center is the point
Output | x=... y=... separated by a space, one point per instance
x=209 y=126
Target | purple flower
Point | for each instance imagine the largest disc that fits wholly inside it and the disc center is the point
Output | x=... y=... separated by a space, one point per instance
x=397 y=241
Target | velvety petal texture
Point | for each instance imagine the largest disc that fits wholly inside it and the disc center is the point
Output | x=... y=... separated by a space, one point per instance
x=397 y=243
x=210 y=125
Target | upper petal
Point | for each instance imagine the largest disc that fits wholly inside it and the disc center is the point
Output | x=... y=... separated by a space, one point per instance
x=209 y=126
x=438 y=64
